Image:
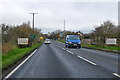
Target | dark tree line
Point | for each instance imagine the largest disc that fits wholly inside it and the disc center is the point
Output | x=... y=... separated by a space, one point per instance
x=106 y=30
x=11 y=33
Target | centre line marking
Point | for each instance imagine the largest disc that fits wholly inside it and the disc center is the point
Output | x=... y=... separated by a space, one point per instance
x=70 y=52
x=86 y=60
x=116 y=75
x=63 y=48
x=19 y=65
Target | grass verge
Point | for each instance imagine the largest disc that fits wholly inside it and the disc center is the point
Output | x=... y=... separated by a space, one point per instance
x=16 y=54
x=102 y=47
x=113 y=48
x=61 y=41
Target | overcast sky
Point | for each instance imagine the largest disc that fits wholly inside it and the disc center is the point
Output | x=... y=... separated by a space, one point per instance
x=78 y=14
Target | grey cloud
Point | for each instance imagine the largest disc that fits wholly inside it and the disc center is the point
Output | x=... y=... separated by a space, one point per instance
x=78 y=15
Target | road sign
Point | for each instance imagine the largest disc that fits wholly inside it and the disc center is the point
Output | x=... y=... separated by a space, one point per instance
x=33 y=36
x=111 y=41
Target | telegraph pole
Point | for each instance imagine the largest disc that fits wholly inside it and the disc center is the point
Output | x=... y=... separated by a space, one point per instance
x=64 y=28
x=64 y=25
x=33 y=18
x=33 y=36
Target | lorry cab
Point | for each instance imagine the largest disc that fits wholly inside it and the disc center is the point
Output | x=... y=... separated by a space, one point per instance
x=72 y=41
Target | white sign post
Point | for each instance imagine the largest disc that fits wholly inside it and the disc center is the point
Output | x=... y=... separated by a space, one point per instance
x=111 y=41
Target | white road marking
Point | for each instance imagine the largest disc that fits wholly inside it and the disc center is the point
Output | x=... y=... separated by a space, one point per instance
x=70 y=52
x=19 y=65
x=87 y=60
x=116 y=75
x=63 y=48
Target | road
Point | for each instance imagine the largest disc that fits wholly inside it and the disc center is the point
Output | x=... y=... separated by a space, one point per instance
x=55 y=61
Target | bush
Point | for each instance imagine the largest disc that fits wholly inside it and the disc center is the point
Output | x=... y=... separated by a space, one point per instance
x=6 y=47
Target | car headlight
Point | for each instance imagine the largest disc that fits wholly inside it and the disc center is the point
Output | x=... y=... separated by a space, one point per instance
x=79 y=43
x=70 y=42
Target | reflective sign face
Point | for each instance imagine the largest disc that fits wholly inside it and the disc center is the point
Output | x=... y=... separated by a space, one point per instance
x=22 y=40
x=111 y=41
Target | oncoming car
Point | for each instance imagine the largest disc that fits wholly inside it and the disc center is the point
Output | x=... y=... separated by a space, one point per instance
x=47 y=41
x=73 y=41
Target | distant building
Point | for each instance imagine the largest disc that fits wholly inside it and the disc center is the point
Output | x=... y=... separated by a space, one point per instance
x=48 y=34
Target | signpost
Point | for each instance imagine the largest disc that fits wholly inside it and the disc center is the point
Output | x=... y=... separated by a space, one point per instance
x=33 y=36
x=111 y=41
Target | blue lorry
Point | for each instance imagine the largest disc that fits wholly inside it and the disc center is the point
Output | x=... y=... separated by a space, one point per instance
x=72 y=41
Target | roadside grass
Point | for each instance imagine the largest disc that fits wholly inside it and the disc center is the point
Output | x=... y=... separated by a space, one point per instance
x=16 y=54
x=6 y=47
x=61 y=41
x=97 y=47
x=102 y=47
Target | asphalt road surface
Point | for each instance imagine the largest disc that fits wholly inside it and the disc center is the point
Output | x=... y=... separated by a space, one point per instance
x=55 y=61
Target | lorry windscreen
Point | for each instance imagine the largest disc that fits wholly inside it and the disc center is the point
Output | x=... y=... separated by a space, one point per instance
x=74 y=37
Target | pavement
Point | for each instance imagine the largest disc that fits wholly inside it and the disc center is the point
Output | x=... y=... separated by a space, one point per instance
x=55 y=61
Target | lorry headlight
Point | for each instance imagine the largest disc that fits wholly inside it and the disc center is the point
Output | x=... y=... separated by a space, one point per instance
x=79 y=43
